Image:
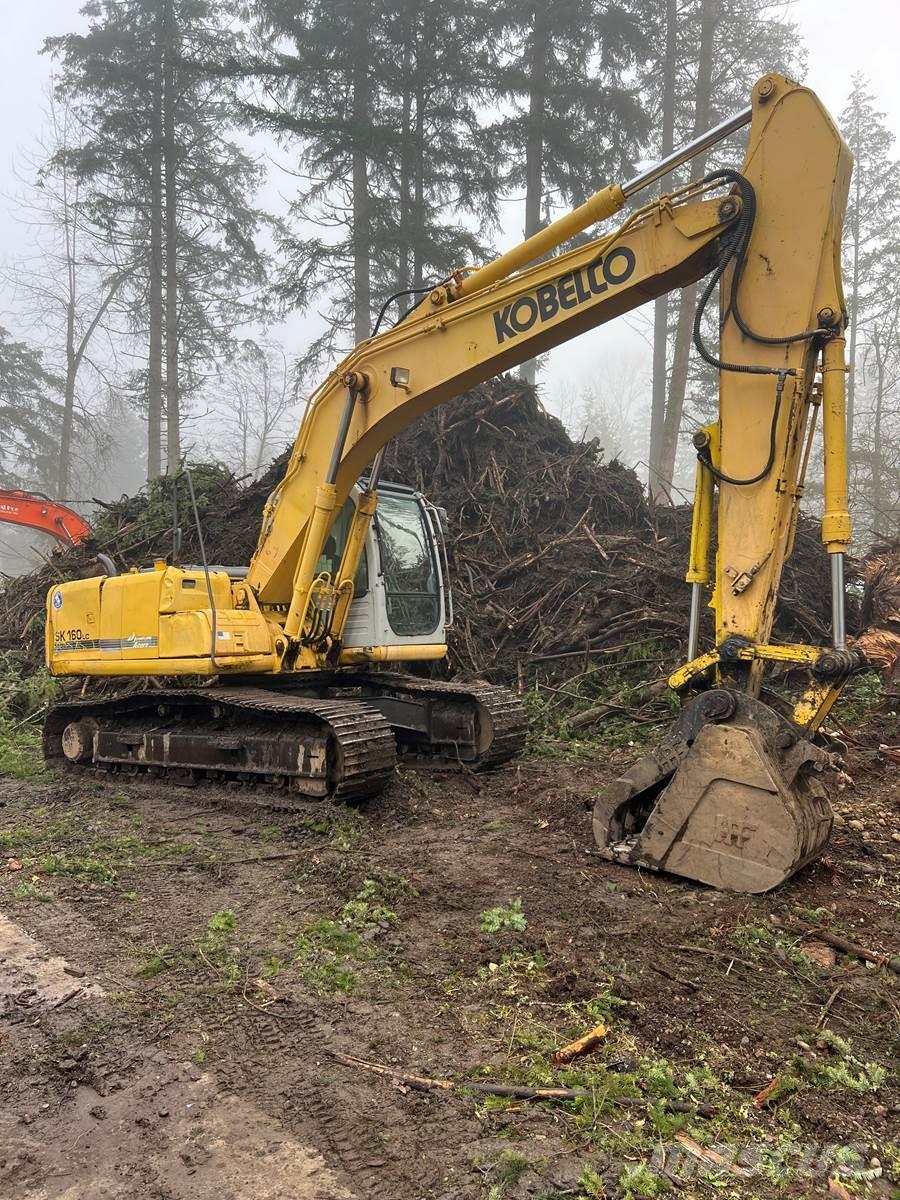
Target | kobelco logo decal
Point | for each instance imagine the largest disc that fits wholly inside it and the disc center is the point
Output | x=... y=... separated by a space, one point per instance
x=568 y=291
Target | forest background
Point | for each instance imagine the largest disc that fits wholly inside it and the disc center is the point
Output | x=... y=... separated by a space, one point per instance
x=203 y=203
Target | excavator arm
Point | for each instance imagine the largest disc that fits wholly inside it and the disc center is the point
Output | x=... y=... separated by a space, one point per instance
x=33 y=511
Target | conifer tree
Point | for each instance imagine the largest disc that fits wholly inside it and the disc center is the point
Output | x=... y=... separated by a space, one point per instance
x=871 y=224
x=576 y=123
x=377 y=101
x=167 y=185
x=30 y=414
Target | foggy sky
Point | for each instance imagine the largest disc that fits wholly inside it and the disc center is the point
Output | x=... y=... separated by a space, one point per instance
x=841 y=39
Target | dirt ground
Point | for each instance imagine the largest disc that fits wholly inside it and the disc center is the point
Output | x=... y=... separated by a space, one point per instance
x=182 y=979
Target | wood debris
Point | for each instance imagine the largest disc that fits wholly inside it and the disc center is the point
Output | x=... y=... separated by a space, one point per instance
x=583 y=1045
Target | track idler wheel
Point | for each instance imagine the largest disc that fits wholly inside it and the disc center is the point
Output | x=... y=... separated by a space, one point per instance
x=736 y=798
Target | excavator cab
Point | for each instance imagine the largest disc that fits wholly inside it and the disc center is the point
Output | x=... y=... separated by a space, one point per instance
x=400 y=595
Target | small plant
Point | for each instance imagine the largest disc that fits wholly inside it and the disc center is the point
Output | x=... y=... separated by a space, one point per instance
x=154 y=962
x=198 y=1057
x=26 y=890
x=362 y=915
x=862 y=694
x=512 y=975
x=591 y=1184
x=814 y=916
x=641 y=1181
x=214 y=949
x=753 y=936
x=506 y=1173
x=273 y=967
x=326 y=951
x=89 y=870
x=493 y=920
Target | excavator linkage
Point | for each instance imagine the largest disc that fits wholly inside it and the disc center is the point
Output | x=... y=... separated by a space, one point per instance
x=735 y=797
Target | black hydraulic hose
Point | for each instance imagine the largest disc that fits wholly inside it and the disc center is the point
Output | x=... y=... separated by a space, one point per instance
x=706 y=458
x=734 y=249
x=399 y=296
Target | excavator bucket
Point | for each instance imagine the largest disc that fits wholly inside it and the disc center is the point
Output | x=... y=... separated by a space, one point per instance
x=736 y=797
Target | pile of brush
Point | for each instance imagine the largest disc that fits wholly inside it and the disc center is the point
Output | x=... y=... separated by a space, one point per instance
x=557 y=558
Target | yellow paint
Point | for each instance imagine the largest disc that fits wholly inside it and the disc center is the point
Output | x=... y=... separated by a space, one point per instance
x=594 y=210
x=800 y=167
x=702 y=522
x=358 y=655
x=836 y=525
x=816 y=703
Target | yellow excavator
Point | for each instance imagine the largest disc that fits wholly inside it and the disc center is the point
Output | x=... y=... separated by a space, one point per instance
x=349 y=574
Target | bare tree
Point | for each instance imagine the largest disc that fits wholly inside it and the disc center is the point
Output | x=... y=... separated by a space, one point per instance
x=65 y=288
x=256 y=402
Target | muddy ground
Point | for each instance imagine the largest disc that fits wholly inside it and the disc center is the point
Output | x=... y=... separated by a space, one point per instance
x=182 y=978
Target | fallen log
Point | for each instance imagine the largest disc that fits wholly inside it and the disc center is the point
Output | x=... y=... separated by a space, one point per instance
x=891 y=962
x=513 y=1091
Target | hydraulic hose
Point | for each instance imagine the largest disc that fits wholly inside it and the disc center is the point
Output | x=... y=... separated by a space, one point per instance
x=734 y=250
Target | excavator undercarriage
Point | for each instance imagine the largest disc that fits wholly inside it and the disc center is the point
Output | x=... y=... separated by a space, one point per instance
x=310 y=738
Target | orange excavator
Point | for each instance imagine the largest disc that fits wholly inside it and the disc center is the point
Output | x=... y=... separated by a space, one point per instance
x=35 y=511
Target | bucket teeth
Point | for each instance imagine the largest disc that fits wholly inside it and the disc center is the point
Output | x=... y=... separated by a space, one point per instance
x=736 y=798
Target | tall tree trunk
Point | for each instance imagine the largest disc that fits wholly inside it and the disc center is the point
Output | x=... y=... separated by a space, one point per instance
x=173 y=398
x=407 y=155
x=854 y=294
x=65 y=435
x=424 y=35
x=688 y=298
x=362 y=286
x=534 y=144
x=70 y=230
x=419 y=197
x=661 y=304
x=155 y=271
x=878 y=515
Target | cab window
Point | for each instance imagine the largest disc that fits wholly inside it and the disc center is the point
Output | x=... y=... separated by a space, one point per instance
x=333 y=551
x=408 y=566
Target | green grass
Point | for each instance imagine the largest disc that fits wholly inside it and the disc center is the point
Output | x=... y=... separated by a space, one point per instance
x=506 y=1173
x=82 y=848
x=495 y=920
x=26 y=890
x=640 y=1181
x=21 y=756
x=154 y=962
x=23 y=698
x=217 y=947
x=84 y=868
x=328 y=951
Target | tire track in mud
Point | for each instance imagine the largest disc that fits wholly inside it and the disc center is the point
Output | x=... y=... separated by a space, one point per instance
x=318 y=1105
